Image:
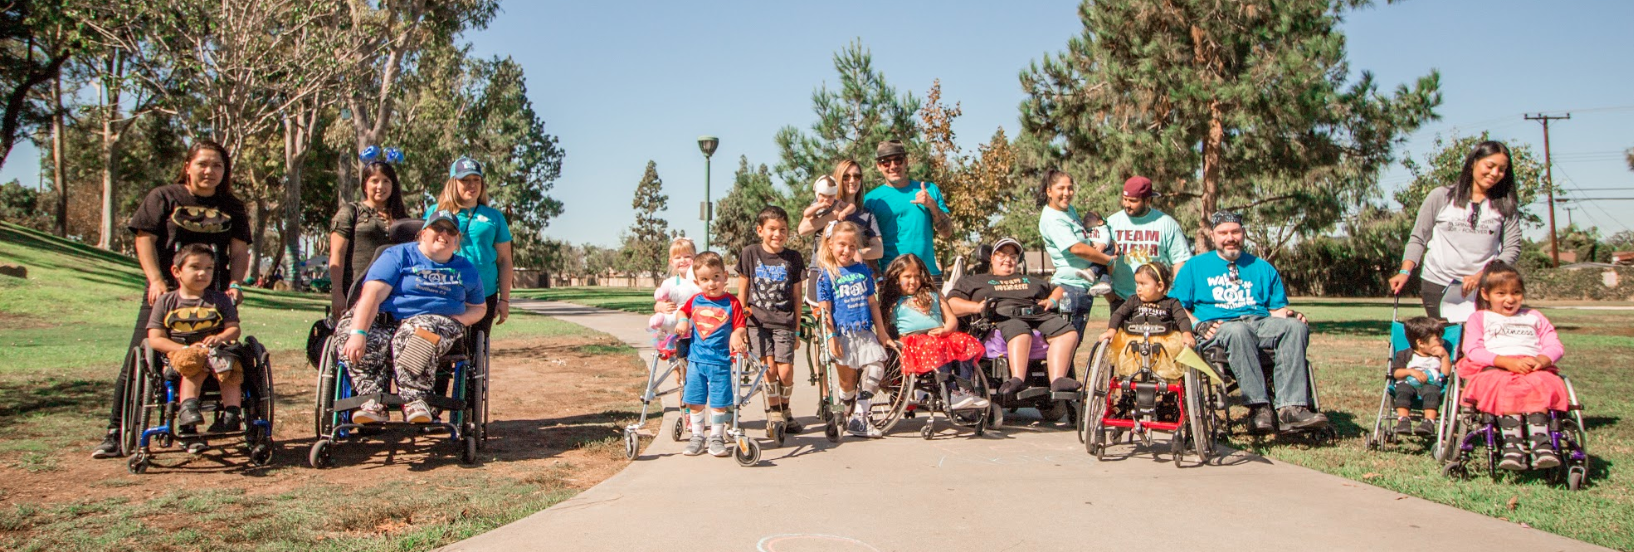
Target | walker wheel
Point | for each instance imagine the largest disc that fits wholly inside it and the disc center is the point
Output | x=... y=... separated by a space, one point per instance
x=320 y=455
x=1455 y=470
x=680 y=427
x=632 y=444
x=831 y=430
x=776 y=432
x=747 y=452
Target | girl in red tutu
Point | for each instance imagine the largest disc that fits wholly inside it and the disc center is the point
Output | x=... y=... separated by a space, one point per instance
x=928 y=333
x=1509 y=368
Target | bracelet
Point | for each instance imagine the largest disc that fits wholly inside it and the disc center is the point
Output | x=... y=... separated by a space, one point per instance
x=360 y=332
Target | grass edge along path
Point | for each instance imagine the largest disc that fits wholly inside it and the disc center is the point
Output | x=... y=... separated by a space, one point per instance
x=1348 y=354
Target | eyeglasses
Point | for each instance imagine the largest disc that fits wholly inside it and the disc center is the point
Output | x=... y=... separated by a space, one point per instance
x=897 y=160
x=1474 y=214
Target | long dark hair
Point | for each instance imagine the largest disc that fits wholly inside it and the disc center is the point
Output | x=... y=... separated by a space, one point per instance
x=225 y=188
x=1050 y=175
x=1502 y=194
x=891 y=289
x=394 y=202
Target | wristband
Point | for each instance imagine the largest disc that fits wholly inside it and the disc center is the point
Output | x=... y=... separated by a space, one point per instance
x=234 y=286
x=1405 y=271
x=360 y=332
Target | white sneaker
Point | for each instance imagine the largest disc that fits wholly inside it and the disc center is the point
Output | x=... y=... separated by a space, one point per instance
x=1102 y=286
x=417 y=412
x=370 y=413
x=962 y=400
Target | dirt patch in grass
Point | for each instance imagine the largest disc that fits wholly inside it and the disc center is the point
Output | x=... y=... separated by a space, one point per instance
x=557 y=406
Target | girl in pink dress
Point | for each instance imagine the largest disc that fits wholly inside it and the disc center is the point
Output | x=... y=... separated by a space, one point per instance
x=1509 y=368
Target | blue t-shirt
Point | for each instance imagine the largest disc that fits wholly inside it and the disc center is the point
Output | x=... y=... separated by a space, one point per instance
x=849 y=292
x=420 y=285
x=482 y=228
x=904 y=225
x=713 y=321
x=1206 y=288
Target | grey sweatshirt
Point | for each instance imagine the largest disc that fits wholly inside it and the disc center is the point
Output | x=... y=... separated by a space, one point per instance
x=1456 y=248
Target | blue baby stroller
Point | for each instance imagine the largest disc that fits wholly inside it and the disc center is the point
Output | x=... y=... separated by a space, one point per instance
x=1383 y=433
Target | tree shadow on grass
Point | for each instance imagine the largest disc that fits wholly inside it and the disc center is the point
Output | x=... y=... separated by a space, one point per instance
x=1361 y=328
x=28 y=398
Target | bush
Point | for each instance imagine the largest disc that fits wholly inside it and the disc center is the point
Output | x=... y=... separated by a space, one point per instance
x=1579 y=284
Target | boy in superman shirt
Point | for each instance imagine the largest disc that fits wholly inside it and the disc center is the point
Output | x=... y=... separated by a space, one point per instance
x=717 y=324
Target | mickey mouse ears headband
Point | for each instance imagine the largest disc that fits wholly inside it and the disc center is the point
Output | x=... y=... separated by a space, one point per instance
x=373 y=154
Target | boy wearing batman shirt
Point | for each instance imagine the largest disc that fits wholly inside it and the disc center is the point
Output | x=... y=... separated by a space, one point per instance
x=192 y=326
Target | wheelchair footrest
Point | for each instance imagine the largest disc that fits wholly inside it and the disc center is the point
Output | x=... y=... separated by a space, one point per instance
x=1031 y=392
x=395 y=401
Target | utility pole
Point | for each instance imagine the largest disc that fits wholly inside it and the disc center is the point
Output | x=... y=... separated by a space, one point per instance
x=1549 y=181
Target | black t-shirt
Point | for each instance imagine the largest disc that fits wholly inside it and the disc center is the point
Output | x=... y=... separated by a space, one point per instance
x=365 y=229
x=180 y=218
x=772 y=280
x=1013 y=291
x=189 y=321
x=1163 y=316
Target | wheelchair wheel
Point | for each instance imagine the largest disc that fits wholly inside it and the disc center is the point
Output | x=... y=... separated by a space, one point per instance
x=896 y=390
x=323 y=417
x=147 y=403
x=321 y=456
x=468 y=450
x=479 y=390
x=263 y=388
x=1097 y=392
x=1097 y=355
x=131 y=403
x=1198 y=425
x=1447 y=436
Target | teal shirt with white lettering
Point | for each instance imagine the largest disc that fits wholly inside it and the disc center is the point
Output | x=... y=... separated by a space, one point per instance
x=1206 y=288
x=482 y=229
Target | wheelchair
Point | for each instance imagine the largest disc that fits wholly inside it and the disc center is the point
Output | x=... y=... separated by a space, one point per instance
x=994 y=365
x=1139 y=404
x=1383 y=432
x=1469 y=429
x=153 y=401
x=1216 y=357
x=465 y=367
x=890 y=401
x=931 y=393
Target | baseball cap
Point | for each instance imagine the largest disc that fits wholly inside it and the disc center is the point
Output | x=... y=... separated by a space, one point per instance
x=825 y=186
x=463 y=167
x=1139 y=186
x=442 y=216
x=890 y=148
x=1007 y=241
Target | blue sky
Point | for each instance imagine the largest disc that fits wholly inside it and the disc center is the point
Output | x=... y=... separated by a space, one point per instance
x=621 y=83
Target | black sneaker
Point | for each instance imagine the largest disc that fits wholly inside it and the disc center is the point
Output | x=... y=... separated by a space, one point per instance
x=1261 y=420
x=189 y=413
x=1404 y=426
x=1513 y=459
x=1300 y=418
x=229 y=420
x=109 y=447
x=791 y=425
x=1011 y=386
x=1425 y=427
x=197 y=447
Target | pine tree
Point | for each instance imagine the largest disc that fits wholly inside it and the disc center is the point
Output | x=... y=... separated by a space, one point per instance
x=1238 y=105
x=646 y=244
x=851 y=122
x=734 y=227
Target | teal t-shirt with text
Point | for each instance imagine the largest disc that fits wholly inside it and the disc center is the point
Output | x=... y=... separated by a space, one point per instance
x=1061 y=230
x=1154 y=236
x=1205 y=286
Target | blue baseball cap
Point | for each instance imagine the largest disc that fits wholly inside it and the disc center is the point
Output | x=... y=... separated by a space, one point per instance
x=463 y=167
x=442 y=216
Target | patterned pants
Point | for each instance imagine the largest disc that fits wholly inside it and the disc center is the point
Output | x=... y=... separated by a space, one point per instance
x=415 y=373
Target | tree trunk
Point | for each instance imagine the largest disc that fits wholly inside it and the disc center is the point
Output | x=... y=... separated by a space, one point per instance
x=110 y=151
x=261 y=212
x=57 y=173
x=1211 y=175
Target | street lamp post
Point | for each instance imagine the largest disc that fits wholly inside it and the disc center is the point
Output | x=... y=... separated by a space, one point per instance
x=707 y=144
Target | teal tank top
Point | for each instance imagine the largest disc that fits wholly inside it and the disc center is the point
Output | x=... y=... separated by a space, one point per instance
x=910 y=320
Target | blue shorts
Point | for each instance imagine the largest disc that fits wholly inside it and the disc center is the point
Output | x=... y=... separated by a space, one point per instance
x=709 y=384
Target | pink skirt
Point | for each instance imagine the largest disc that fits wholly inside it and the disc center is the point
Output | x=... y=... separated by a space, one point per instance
x=1499 y=391
x=922 y=353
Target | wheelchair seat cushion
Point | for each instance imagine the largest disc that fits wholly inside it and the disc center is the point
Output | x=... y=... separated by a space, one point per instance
x=997 y=348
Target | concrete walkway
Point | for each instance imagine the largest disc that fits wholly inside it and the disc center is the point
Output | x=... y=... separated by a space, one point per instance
x=1018 y=488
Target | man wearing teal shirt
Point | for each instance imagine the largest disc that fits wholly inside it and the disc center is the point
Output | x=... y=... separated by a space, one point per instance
x=910 y=214
x=1240 y=304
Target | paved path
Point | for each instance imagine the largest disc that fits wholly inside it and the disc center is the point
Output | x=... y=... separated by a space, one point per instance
x=1018 y=488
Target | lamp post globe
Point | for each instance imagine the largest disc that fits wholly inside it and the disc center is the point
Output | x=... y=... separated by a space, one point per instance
x=707 y=144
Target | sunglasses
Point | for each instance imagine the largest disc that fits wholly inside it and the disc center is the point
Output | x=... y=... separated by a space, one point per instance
x=1236 y=276
x=851 y=177
x=889 y=161
x=1474 y=214
x=444 y=231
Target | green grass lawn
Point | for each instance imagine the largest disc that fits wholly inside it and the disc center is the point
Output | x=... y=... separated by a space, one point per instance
x=1348 y=350
x=66 y=329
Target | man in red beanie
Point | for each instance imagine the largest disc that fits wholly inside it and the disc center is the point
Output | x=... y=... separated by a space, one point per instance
x=1142 y=235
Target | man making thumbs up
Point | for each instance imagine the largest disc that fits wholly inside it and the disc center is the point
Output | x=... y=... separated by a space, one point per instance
x=910 y=214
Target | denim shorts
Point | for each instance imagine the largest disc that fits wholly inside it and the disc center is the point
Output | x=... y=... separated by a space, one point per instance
x=709 y=384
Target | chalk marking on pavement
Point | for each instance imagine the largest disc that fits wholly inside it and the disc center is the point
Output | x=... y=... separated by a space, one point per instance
x=768 y=543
